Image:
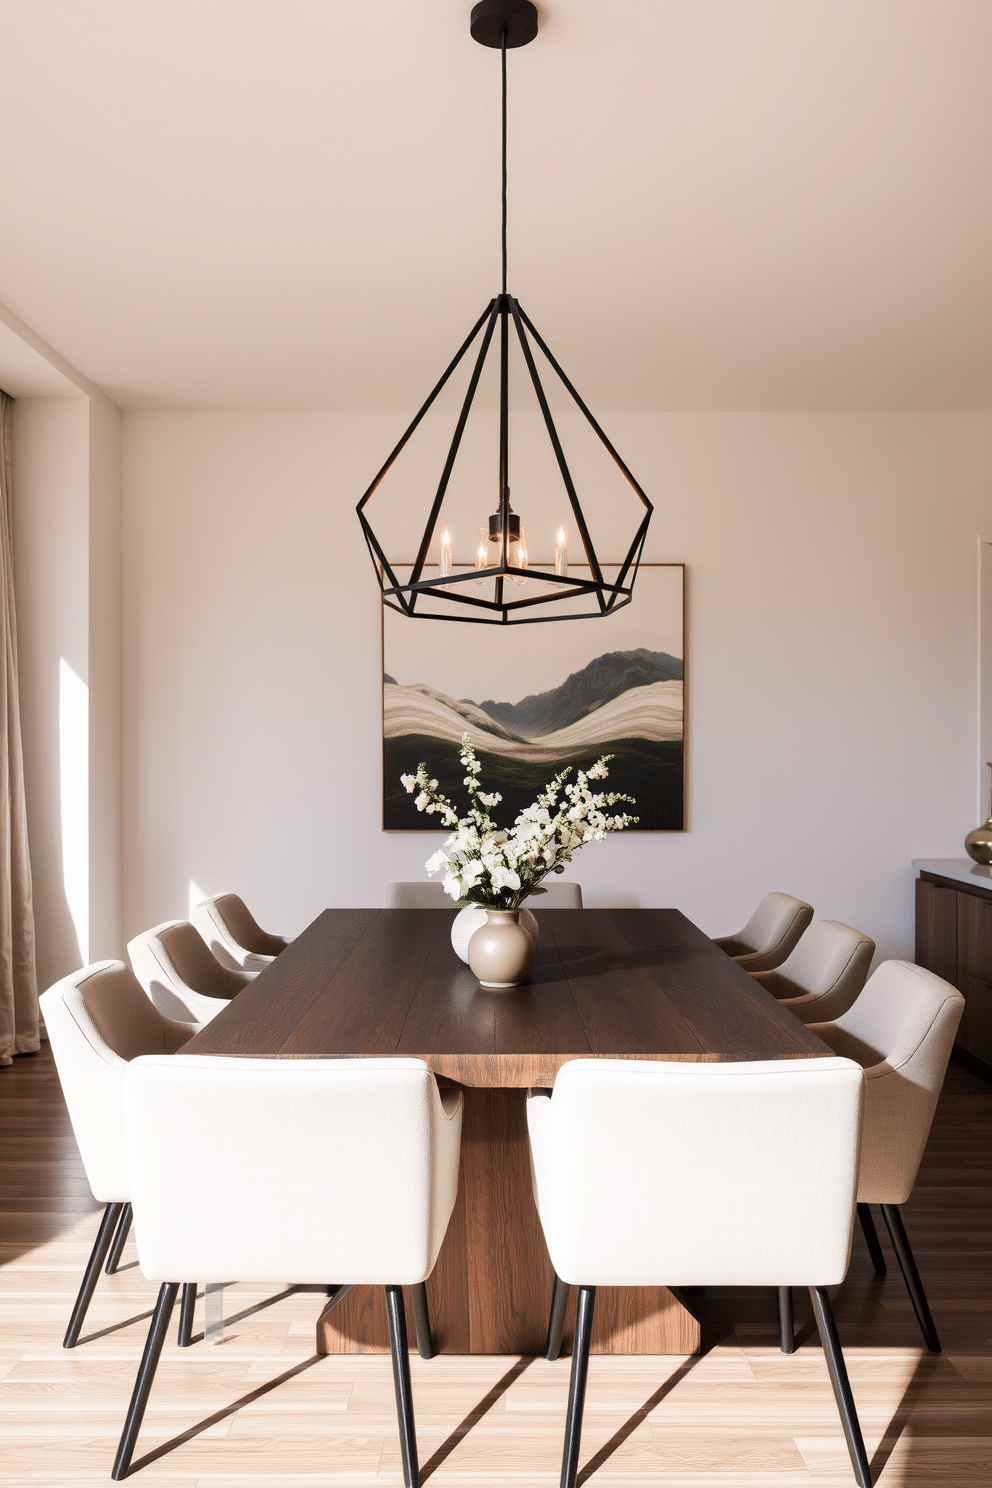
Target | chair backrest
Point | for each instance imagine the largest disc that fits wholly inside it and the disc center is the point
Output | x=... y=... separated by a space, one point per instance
x=901 y=1029
x=651 y=1173
x=773 y=931
x=826 y=971
x=290 y=1170
x=231 y=931
x=559 y=894
x=432 y=896
x=97 y=1020
x=417 y=895
x=172 y=961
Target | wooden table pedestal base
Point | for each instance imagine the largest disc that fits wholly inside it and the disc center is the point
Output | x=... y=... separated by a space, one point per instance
x=491 y=1288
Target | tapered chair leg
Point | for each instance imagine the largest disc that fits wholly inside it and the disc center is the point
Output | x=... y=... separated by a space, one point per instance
x=104 y=1236
x=584 y=1308
x=834 y=1356
x=422 y=1321
x=186 y=1310
x=401 y=1383
x=871 y=1239
x=120 y=1239
x=786 y=1325
x=146 y=1374
x=911 y=1276
x=556 y=1321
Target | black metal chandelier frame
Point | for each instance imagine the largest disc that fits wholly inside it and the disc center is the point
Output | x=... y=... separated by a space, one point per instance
x=505 y=24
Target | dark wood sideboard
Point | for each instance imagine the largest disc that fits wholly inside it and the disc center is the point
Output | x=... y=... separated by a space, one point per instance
x=954 y=939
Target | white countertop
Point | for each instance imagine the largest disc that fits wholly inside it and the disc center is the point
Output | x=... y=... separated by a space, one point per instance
x=979 y=875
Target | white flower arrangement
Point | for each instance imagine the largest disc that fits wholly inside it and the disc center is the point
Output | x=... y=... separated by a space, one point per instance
x=483 y=863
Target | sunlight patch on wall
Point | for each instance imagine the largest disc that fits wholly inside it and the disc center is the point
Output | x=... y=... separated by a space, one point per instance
x=74 y=786
x=196 y=896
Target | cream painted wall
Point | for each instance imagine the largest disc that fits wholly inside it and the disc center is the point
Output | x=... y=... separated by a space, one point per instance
x=831 y=661
x=67 y=555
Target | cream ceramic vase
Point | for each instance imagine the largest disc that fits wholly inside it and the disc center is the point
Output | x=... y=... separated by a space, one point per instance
x=501 y=952
x=472 y=918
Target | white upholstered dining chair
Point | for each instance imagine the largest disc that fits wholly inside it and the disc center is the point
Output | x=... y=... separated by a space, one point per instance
x=651 y=1173
x=824 y=974
x=233 y=935
x=290 y=1170
x=770 y=935
x=180 y=974
x=98 y=1019
x=901 y=1030
x=426 y=895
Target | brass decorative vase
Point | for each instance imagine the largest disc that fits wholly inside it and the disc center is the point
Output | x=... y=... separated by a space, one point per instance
x=978 y=844
x=501 y=952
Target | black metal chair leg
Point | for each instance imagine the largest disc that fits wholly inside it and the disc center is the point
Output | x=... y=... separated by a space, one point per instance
x=104 y=1236
x=786 y=1325
x=401 y=1383
x=871 y=1240
x=117 y=1248
x=422 y=1321
x=146 y=1374
x=556 y=1321
x=584 y=1308
x=834 y=1356
x=186 y=1310
x=911 y=1276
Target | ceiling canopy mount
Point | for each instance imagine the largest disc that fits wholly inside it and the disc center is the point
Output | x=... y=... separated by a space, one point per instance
x=494 y=19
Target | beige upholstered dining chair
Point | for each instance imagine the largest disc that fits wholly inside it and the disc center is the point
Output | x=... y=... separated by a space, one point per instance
x=98 y=1019
x=559 y=893
x=234 y=936
x=416 y=895
x=901 y=1030
x=425 y=895
x=824 y=974
x=653 y=1173
x=180 y=974
x=770 y=935
x=223 y=1182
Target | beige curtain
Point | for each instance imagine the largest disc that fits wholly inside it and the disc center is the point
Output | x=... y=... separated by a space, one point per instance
x=18 y=984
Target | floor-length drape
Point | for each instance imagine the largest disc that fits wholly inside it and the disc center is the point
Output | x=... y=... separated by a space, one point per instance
x=18 y=983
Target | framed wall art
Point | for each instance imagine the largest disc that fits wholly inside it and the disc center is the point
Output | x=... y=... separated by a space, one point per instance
x=535 y=698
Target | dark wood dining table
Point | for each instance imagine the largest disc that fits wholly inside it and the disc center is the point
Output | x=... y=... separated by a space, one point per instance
x=607 y=983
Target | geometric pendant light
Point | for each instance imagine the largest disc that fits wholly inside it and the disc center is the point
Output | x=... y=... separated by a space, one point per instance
x=500 y=585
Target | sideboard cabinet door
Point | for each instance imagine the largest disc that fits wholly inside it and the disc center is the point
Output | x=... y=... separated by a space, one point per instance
x=937 y=929
x=975 y=974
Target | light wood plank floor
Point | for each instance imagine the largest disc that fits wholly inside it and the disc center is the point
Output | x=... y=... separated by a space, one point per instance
x=259 y=1410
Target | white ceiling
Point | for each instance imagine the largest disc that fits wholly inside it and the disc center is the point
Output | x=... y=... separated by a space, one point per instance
x=714 y=203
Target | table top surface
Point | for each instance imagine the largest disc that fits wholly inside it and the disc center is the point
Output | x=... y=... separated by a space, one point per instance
x=614 y=983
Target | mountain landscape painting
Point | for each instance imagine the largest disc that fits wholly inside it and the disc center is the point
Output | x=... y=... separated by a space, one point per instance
x=537 y=698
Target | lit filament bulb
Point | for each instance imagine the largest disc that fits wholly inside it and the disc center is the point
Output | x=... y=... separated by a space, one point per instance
x=481 y=554
x=518 y=555
x=561 y=552
x=444 y=543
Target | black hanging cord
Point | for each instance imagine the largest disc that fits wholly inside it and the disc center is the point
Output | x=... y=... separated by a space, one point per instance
x=503 y=50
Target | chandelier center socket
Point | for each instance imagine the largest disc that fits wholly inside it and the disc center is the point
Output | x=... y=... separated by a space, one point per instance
x=492 y=19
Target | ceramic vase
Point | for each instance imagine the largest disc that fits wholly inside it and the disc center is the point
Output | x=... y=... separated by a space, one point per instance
x=501 y=952
x=978 y=844
x=472 y=918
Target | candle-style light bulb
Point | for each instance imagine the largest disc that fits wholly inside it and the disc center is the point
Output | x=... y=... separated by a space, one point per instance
x=481 y=553
x=518 y=555
x=444 y=543
x=561 y=552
